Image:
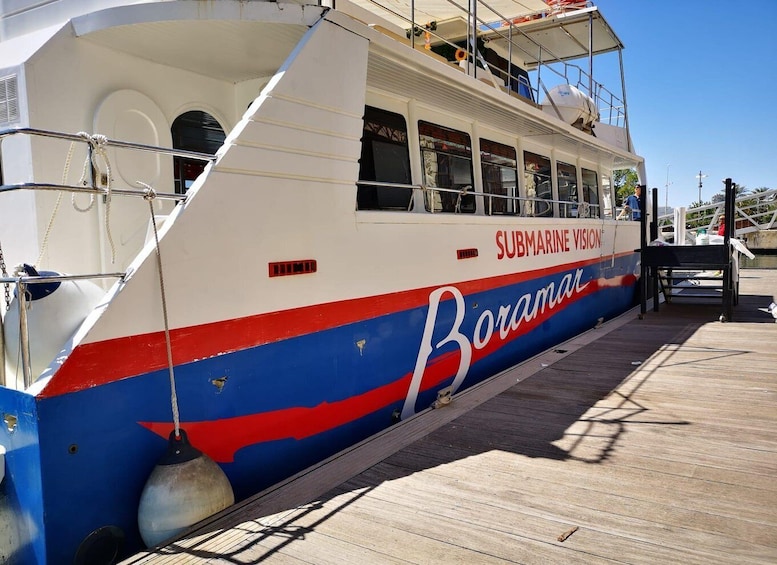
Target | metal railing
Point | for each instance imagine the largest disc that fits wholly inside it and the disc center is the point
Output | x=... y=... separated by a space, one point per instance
x=754 y=211
x=94 y=188
x=520 y=204
x=22 y=304
x=22 y=282
x=611 y=108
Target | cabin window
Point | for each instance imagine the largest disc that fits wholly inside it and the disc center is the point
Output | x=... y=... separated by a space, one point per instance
x=591 y=192
x=446 y=155
x=194 y=131
x=567 y=189
x=500 y=177
x=539 y=188
x=607 y=197
x=385 y=158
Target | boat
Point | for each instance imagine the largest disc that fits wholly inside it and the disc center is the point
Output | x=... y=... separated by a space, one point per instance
x=265 y=231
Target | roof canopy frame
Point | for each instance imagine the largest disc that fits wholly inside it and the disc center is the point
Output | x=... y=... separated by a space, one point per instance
x=543 y=39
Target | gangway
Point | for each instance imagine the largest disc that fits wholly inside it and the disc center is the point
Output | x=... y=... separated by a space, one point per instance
x=666 y=268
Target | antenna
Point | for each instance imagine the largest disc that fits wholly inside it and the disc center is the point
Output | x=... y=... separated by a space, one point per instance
x=700 y=176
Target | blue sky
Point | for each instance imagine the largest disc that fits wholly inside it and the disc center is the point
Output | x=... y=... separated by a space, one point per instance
x=701 y=87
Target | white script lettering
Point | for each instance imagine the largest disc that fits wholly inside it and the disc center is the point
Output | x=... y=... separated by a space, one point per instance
x=508 y=320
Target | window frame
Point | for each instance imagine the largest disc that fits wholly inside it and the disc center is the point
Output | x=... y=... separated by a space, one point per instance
x=569 y=199
x=495 y=156
x=186 y=171
x=586 y=191
x=446 y=147
x=535 y=201
x=389 y=128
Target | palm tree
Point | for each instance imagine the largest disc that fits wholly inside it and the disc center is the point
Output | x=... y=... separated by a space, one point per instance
x=760 y=206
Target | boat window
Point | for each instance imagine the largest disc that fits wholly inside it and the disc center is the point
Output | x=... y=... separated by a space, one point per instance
x=446 y=155
x=567 y=189
x=194 y=131
x=591 y=192
x=500 y=176
x=607 y=197
x=539 y=190
x=385 y=158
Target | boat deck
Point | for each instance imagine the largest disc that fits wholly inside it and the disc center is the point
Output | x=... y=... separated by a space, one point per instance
x=643 y=441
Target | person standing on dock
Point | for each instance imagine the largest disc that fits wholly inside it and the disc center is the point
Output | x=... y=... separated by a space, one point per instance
x=722 y=225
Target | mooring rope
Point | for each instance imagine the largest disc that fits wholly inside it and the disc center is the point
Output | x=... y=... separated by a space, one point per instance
x=149 y=195
x=4 y=273
x=98 y=152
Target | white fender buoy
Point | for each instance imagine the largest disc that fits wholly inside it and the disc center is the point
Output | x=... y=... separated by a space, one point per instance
x=186 y=486
x=56 y=310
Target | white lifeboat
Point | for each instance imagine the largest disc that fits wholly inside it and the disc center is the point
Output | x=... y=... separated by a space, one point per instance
x=572 y=106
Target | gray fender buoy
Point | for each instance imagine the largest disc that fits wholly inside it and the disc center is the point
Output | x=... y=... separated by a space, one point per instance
x=186 y=486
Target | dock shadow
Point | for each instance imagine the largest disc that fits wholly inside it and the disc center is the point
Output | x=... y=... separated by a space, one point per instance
x=574 y=410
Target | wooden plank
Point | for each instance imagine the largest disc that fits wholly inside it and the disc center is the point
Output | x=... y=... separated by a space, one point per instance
x=658 y=441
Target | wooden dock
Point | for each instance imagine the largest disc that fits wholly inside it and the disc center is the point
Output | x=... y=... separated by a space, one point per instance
x=644 y=441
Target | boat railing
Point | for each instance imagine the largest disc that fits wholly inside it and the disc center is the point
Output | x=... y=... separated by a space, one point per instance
x=521 y=206
x=21 y=293
x=612 y=109
x=93 y=185
x=565 y=72
x=22 y=282
x=753 y=212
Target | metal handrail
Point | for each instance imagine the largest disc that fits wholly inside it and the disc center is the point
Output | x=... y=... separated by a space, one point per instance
x=87 y=190
x=26 y=279
x=615 y=108
x=92 y=142
x=757 y=210
x=21 y=283
x=515 y=199
x=110 y=142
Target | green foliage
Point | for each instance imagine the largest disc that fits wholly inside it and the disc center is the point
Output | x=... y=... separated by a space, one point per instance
x=739 y=190
x=697 y=219
x=624 y=181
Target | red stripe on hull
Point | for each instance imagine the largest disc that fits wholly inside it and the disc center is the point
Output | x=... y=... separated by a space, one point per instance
x=221 y=439
x=98 y=363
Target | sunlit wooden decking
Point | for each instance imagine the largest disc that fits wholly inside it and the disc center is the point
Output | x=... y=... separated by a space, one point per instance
x=644 y=441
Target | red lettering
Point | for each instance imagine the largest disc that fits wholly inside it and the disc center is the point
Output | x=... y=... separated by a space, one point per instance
x=540 y=244
x=510 y=239
x=520 y=248
x=548 y=241
x=530 y=243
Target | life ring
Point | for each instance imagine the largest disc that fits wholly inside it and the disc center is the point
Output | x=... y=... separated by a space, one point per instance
x=461 y=54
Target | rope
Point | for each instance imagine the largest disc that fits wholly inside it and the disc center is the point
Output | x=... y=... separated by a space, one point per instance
x=65 y=173
x=459 y=196
x=98 y=144
x=97 y=155
x=4 y=272
x=149 y=195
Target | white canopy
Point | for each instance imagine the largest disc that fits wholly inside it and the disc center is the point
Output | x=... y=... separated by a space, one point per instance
x=563 y=35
